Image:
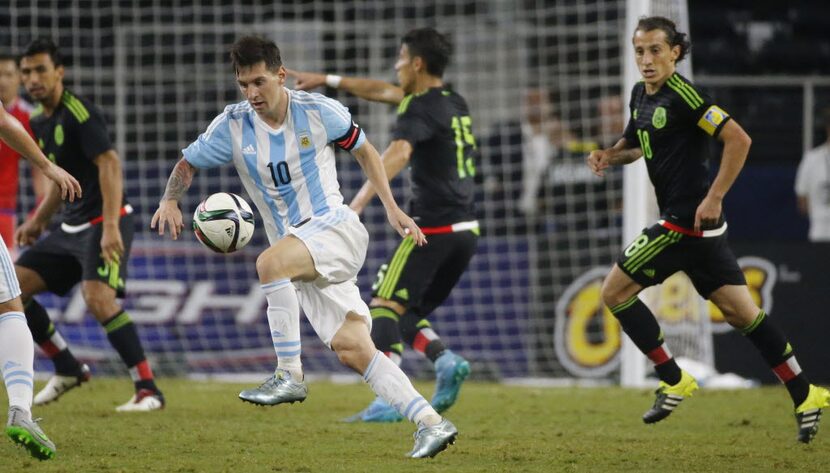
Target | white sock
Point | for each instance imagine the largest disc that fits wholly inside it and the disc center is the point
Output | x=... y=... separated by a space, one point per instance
x=284 y=320
x=390 y=383
x=17 y=353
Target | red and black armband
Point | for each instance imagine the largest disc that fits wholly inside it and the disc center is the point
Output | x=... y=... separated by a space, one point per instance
x=348 y=140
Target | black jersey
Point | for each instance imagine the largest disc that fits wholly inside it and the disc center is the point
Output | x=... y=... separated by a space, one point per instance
x=72 y=137
x=443 y=163
x=672 y=127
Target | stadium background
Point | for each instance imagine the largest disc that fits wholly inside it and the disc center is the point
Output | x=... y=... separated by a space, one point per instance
x=159 y=71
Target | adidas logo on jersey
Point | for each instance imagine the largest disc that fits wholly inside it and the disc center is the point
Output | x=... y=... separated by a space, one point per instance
x=249 y=150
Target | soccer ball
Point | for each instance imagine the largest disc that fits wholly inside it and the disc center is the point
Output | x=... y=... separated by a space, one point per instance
x=223 y=222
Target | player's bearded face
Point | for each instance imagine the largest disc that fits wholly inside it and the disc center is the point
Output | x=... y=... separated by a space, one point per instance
x=261 y=86
x=40 y=76
x=406 y=73
x=655 y=57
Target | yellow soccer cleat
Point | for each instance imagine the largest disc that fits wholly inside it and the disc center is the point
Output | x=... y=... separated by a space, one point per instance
x=808 y=413
x=669 y=397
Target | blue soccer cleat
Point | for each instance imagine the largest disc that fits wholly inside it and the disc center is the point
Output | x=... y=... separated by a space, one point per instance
x=450 y=372
x=378 y=411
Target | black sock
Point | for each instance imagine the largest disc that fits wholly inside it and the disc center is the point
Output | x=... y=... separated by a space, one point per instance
x=385 y=333
x=778 y=353
x=639 y=323
x=417 y=332
x=123 y=336
x=49 y=340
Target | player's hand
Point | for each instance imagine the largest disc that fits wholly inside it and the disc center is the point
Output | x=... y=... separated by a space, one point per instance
x=168 y=214
x=69 y=186
x=708 y=213
x=598 y=160
x=404 y=225
x=29 y=232
x=112 y=246
x=306 y=80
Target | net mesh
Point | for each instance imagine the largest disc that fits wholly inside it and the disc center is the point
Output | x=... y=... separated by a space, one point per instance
x=543 y=81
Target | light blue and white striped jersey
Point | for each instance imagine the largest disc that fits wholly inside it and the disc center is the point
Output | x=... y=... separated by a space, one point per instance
x=289 y=172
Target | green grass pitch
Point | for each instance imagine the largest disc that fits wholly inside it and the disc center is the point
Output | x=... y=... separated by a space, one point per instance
x=205 y=428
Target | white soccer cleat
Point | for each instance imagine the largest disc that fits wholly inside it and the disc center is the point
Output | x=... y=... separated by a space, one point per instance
x=144 y=400
x=60 y=384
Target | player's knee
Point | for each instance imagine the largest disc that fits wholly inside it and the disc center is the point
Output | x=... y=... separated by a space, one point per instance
x=611 y=293
x=101 y=305
x=269 y=267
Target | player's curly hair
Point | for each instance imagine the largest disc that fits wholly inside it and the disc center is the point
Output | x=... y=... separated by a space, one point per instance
x=43 y=45
x=250 y=50
x=674 y=37
x=431 y=46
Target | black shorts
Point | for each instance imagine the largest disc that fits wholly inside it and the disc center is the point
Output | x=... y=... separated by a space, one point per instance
x=63 y=259
x=659 y=252
x=422 y=277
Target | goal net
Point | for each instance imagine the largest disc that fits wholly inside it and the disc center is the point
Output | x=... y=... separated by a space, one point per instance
x=544 y=81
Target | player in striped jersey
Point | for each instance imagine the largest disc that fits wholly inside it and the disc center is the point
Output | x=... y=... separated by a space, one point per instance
x=670 y=124
x=16 y=348
x=281 y=143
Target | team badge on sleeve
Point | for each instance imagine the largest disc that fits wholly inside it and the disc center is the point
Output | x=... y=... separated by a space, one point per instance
x=712 y=119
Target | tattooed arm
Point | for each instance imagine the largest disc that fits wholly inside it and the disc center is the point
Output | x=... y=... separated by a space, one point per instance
x=168 y=212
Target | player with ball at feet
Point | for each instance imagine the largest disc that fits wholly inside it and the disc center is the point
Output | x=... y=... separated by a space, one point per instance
x=282 y=144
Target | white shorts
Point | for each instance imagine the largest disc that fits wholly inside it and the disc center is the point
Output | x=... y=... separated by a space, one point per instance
x=337 y=242
x=9 y=287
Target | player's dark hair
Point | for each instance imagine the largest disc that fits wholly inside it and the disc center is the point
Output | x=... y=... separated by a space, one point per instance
x=674 y=37
x=825 y=117
x=8 y=57
x=251 y=50
x=44 y=45
x=433 y=47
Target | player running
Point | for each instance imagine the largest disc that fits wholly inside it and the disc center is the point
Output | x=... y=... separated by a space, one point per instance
x=433 y=135
x=670 y=124
x=280 y=142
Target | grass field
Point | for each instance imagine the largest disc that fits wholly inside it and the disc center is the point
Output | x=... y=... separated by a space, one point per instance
x=205 y=429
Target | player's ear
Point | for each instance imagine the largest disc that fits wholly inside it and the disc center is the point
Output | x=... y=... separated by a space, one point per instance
x=418 y=64
x=282 y=74
x=61 y=71
x=675 y=52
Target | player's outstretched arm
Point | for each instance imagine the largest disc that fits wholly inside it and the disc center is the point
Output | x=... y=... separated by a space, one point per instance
x=369 y=89
x=618 y=154
x=736 y=143
x=168 y=213
x=13 y=133
x=394 y=160
x=370 y=161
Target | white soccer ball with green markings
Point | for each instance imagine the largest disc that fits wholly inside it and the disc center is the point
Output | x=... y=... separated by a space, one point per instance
x=223 y=222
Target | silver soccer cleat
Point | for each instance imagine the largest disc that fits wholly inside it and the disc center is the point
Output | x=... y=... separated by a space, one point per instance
x=25 y=431
x=278 y=389
x=430 y=441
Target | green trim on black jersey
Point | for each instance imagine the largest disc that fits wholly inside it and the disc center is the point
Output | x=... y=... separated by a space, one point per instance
x=404 y=104
x=75 y=106
x=685 y=90
x=37 y=111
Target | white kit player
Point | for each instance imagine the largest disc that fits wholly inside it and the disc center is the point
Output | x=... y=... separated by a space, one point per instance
x=281 y=143
x=16 y=345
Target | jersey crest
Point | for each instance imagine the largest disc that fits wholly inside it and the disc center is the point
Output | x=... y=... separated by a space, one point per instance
x=659 y=118
x=59 y=134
